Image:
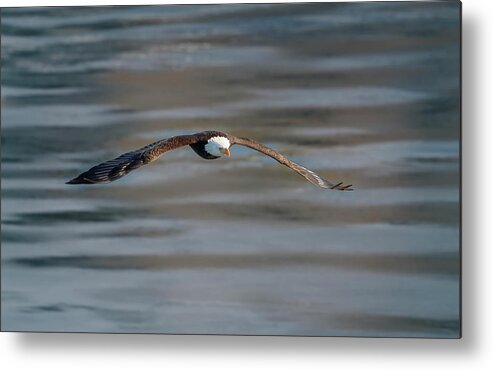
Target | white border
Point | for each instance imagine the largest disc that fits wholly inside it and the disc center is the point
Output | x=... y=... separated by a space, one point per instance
x=474 y=351
x=19 y=3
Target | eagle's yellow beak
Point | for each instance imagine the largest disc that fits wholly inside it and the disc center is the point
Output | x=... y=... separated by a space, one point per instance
x=226 y=151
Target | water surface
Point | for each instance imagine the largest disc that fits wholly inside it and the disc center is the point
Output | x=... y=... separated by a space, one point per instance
x=366 y=93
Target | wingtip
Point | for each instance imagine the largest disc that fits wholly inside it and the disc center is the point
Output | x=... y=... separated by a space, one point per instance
x=342 y=187
x=84 y=180
x=78 y=180
x=336 y=186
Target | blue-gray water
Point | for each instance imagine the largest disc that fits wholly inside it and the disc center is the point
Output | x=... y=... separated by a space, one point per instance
x=367 y=94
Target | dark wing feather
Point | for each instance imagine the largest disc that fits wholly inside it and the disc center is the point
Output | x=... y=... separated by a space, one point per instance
x=303 y=171
x=114 y=169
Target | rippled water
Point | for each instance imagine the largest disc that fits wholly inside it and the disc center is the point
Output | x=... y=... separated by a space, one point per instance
x=363 y=93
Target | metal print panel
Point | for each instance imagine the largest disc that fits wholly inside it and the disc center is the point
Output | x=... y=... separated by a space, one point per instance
x=261 y=117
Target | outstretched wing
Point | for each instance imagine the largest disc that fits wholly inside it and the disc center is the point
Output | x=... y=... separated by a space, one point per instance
x=303 y=171
x=114 y=169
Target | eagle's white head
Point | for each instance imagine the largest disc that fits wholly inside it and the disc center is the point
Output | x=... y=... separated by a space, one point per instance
x=218 y=146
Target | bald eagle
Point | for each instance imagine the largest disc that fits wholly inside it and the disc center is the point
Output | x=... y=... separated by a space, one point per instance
x=207 y=144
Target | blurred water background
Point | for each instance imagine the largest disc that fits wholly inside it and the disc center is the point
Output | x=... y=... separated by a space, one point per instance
x=365 y=93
